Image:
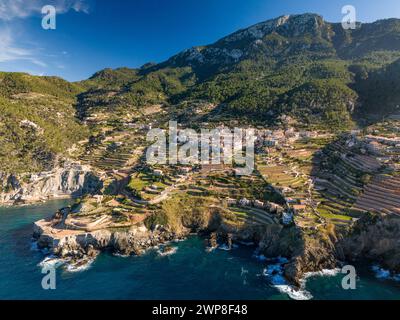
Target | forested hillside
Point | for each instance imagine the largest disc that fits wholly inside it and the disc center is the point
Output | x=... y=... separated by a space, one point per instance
x=299 y=66
x=37 y=121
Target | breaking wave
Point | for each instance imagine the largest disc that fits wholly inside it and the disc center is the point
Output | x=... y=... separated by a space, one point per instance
x=52 y=262
x=79 y=266
x=323 y=273
x=167 y=252
x=293 y=293
x=274 y=273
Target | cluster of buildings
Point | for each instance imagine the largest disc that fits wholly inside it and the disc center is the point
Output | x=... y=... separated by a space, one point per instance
x=274 y=138
x=174 y=173
x=385 y=149
x=268 y=206
x=287 y=215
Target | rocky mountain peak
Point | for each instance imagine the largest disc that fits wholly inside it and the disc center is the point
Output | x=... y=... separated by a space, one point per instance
x=296 y=24
x=241 y=44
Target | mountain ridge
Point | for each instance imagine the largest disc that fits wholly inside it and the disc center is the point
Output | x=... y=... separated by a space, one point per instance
x=296 y=66
x=257 y=57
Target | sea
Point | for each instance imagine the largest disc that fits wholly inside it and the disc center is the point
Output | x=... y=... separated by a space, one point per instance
x=189 y=271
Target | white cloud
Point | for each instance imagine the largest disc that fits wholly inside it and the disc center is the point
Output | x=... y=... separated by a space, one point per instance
x=10 y=52
x=10 y=9
x=12 y=49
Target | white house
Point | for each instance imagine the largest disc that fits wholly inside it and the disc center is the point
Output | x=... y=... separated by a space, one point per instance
x=99 y=198
x=258 y=204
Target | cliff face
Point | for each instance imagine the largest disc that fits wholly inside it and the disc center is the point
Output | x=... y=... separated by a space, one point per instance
x=307 y=251
x=80 y=246
x=313 y=249
x=375 y=237
x=71 y=180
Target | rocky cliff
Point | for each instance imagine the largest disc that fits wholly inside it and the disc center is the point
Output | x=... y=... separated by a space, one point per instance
x=77 y=245
x=70 y=180
x=306 y=249
x=67 y=235
x=375 y=237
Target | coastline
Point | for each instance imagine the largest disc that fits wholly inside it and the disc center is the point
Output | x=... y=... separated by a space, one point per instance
x=274 y=280
x=219 y=274
x=304 y=255
x=16 y=204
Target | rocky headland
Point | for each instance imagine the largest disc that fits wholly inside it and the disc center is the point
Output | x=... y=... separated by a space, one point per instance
x=66 y=181
x=77 y=235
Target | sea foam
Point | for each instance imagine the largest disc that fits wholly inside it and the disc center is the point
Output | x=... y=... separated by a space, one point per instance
x=293 y=293
x=322 y=273
x=80 y=266
x=274 y=273
x=52 y=262
x=167 y=253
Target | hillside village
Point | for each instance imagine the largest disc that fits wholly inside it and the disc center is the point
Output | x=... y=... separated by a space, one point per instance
x=326 y=163
x=309 y=177
x=303 y=178
x=303 y=181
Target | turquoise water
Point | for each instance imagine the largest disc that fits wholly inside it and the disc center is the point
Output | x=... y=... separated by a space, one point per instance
x=190 y=273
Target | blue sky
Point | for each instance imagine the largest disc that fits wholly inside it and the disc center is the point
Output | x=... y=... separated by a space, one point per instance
x=95 y=34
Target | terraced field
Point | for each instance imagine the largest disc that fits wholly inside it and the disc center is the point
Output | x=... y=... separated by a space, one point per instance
x=105 y=212
x=226 y=185
x=282 y=176
x=115 y=152
x=340 y=182
x=253 y=216
x=288 y=171
x=145 y=185
x=382 y=194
